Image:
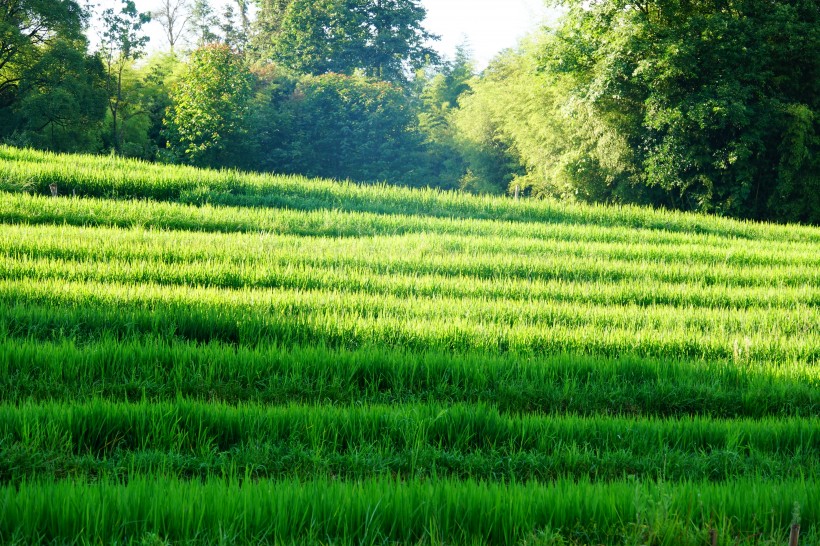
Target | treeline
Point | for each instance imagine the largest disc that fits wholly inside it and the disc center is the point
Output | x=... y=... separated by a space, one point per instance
x=707 y=105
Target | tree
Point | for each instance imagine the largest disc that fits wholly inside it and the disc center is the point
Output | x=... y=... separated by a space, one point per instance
x=242 y=9
x=27 y=29
x=123 y=44
x=62 y=99
x=452 y=80
x=714 y=103
x=173 y=16
x=344 y=127
x=480 y=126
x=438 y=102
x=159 y=75
x=208 y=117
x=266 y=26
x=209 y=29
x=232 y=35
x=382 y=38
x=203 y=21
x=517 y=128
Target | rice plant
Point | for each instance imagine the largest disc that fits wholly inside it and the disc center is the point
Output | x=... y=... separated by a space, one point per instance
x=201 y=357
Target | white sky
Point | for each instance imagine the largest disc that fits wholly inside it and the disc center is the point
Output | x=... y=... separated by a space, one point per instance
x=489 y=26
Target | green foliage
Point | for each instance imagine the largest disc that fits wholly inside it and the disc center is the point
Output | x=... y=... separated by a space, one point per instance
x=706 y=106
x=382 y=38
x=131 y=124
x=438 y=99
x=26 y=26
x=713 y=103
x=204 y=22
x=46 y=79
x=796 y=195
x=158 y=76
x=234 y=33
x=122 y=33
x=267 y=26
x=451 y=80
x=123 y=43
x=207 y=120
x=338 y=126
x=520 y=127
x=60 y=100
x=491 y=160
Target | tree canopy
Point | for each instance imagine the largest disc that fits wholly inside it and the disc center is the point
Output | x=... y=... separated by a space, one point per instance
x=27 y=28
x=209 y=107
x=712 y=102
x=383 y=38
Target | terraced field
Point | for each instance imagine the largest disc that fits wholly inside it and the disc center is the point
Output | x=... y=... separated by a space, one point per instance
x=196 y=357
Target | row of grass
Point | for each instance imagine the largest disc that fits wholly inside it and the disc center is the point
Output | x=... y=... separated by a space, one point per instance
x=413 y=441
x=162 y=370
x=25 y=208
x=263 y=459
x=52 y=309
x=386 y=511
x=428 y=266
x=212 y=273
x=110 y=177
x=100 y=427
x=654 y=248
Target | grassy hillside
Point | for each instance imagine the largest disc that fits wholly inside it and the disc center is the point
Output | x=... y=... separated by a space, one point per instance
x=196 y=357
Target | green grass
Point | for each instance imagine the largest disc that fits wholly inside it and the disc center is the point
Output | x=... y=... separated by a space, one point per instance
x=108 y=177
x=51 y=309
x=387 y=511
x=412 y=441
x=201 y=357
x=160 y=370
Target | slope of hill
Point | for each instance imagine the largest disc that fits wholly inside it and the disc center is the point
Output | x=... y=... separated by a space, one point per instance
x=197 y=357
